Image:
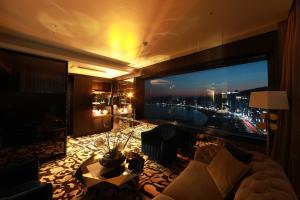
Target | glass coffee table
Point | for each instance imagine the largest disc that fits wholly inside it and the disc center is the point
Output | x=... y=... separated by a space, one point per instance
x=108 y=183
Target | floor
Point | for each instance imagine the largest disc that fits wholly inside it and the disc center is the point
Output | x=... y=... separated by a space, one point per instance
x=60 y=172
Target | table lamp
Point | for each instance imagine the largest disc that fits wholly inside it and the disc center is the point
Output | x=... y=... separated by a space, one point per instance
x=269 y=100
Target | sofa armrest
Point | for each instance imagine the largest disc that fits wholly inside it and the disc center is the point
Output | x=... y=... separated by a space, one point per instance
x=149 y=135
x=266 y=181
x=42 y=191
x=197 y=155
x=15 y=174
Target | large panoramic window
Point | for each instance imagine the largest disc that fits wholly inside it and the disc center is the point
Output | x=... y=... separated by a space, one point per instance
x=215 y=99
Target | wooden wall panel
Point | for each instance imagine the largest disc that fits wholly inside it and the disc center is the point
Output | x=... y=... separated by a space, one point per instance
x=32 y=105
x=139 y=98
x=81 y=120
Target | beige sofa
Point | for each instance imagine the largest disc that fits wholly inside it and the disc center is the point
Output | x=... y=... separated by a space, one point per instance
x=267 y=181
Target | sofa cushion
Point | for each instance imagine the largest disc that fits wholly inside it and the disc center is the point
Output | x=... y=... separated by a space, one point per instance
x=266 y=182
x=22 y=187
x=238 y=153
x=226 y=171
x=193 y=183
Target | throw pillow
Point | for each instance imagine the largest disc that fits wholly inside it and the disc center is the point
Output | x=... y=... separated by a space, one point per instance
x=239 y=154
x=226 y=171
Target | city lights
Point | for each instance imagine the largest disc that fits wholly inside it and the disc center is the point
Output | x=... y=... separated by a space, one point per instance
x=217 y=98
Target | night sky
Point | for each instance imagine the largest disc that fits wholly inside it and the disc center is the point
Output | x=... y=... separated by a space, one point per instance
x=236 y=77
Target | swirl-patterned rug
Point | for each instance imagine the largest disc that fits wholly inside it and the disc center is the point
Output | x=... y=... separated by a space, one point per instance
x=61 y=172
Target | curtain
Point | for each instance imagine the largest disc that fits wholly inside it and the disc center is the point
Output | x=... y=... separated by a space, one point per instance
x=286 y=148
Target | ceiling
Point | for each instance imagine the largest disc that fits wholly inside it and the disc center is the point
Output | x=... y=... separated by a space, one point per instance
x=132 y=34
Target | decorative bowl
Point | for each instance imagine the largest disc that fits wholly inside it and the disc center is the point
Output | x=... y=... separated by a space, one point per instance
x=112 y=161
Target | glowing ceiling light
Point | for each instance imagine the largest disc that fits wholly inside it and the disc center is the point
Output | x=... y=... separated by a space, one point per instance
x=93 y=70
x=130 y=80
x=123 y=40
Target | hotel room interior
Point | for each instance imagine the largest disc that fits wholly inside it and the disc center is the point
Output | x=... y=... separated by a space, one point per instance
x=164 y=100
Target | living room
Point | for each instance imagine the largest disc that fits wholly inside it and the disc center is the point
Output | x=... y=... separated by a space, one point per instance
x=163 y=100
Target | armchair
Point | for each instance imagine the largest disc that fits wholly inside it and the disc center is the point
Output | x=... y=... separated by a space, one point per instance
x=161 y=143
x=21 y=182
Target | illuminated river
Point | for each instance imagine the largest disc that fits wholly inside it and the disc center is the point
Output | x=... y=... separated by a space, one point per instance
x=176 y=113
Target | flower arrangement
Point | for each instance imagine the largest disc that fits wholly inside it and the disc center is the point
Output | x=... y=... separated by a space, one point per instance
x=114 y=156
x=114 y=147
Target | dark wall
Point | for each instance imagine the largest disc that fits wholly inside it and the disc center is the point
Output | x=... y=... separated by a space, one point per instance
x=81 y=120
x=140 y=96
x=32 y=105
x=261 y=46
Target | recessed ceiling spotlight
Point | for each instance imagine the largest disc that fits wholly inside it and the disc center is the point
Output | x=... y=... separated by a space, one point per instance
x=53 y=25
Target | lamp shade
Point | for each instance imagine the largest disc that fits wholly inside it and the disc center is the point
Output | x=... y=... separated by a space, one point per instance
x=271 y=100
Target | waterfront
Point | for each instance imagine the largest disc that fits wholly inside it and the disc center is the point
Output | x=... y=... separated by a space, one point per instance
x=212 y=120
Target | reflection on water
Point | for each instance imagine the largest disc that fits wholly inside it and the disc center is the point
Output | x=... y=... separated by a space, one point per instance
x=176 y=113
x=209 y=120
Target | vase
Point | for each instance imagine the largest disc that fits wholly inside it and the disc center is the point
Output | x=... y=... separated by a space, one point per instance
x=112 y=159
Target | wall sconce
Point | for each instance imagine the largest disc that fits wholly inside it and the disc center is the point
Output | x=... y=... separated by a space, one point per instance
x=269 y=100
x=129 y=94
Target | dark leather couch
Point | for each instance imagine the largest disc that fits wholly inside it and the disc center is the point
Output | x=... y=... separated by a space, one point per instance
x=161 y=143
x=21 y=181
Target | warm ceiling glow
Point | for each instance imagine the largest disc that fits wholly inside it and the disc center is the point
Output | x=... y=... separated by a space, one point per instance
x=67 y=22
x=131 y=80
x=143 y=62
x=93 y=70
x=141 y=34
x=123 y=41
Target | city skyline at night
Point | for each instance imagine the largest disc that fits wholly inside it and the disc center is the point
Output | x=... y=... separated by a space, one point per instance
x=216 y=98
x=231 y=78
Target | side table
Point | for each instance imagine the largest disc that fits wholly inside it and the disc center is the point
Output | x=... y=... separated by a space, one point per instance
x=108 y=183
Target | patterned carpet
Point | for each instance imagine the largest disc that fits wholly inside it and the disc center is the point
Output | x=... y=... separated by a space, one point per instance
x=61 y=172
